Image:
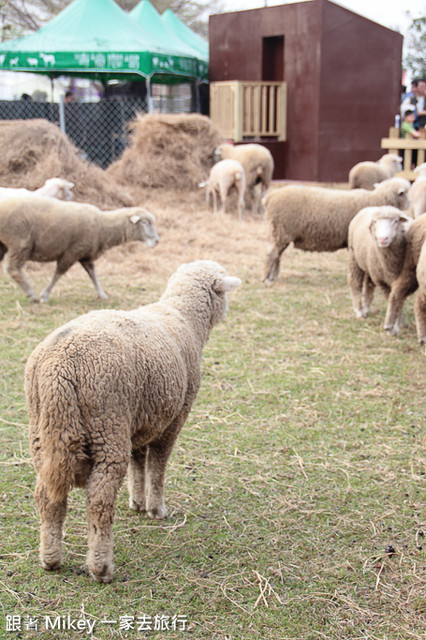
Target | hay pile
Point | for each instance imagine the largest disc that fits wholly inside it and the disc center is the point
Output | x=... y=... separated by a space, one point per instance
x=35 y=150
x=171 y=152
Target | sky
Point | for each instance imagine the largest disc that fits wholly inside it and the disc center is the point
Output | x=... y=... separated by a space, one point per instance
x=389 y=13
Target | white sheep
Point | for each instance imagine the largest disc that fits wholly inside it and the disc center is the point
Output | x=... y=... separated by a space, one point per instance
x=407 y=281
x=224 y=176
x=258 y=166
x=365 y=175
x=317 y=219
x=45 y=229
x=418 y=192
x=53 y=188
x=110 y=392
x=376 y=244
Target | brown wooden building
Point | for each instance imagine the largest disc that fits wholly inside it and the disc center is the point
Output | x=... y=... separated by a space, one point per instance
x=343 y=77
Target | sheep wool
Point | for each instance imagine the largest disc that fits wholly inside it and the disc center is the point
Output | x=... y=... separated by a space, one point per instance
x=45 y=229
x=365 y=175
x=110 y=391
x=317 y=219
x=376 y=244
x=225 y=175
x=407 y=282
x=52 y=188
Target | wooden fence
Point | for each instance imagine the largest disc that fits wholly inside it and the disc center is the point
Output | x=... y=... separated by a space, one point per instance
x=249 y=110
x=395 y=144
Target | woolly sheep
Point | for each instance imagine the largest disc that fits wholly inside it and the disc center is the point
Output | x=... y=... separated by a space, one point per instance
x=45 y=229
x=53 y=188
x=109 y=392
x=365 y=175
x=224 y=175
x=257 y=162
x=376 y=244
x=407 y=281
x=317 y=219
x=418 y=192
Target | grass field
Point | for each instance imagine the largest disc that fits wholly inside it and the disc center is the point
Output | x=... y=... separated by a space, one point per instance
x=296 y=489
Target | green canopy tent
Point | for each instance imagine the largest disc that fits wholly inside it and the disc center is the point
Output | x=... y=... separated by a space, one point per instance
x=185 y=34
x=96 y=39
x=147 y=17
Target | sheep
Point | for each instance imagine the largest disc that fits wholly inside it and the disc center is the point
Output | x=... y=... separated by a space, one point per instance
x=376 y=244
x=110 y=391
x=53 y=188
x=45 y=229
x=407 y=281
x=317 y=219
x=365 y=175
x=258 y=166
x=420 y=303
x=418 y=192
x=224 y=175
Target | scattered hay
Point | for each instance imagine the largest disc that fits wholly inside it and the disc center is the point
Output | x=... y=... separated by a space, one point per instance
x=35 y=150
x=167 y=152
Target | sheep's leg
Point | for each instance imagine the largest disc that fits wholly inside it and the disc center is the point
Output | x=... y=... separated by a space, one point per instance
x=89 y=266
x=405 y=284
x=52 y=516
x=62 y=266
x=420 y=315
x=273 y=263
x=356 y=279
x=214 y=199
x=367 y=295
x=102 y=487
x=3 y=251
x=136 y=473
x=158 y=454
x=15 y=262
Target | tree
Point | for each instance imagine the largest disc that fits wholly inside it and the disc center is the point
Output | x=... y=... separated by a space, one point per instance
x=415 y=47
x=20 y=17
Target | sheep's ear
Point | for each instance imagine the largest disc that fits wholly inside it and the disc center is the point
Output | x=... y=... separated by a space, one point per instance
x=227 y=283
x=134 y=219
x=401 y=191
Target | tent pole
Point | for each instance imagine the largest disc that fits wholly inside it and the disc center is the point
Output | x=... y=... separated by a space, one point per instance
x=51 y=88
x=149 y=96
x=197 y=97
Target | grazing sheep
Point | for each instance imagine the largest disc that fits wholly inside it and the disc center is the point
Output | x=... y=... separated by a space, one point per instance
x=224 y=175
x=45 y=229
x=109 y=392
x=365 y=175
x=258 y=166
x=53 y=188
x=407 y=281
x=376 y=244
x=418 y=192
x=317 y=219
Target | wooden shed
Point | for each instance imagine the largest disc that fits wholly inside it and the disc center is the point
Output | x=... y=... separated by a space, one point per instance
x=337 y=79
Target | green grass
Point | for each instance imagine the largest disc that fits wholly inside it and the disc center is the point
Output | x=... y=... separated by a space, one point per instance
x=301 y=465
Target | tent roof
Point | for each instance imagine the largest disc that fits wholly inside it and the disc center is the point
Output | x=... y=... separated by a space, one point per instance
x=186 y=34
x=97 y=39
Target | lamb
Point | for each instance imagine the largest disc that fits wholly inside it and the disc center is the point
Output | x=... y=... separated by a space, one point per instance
x=45 y=229
x=110 y=391
x=407 y=281
x=225 y=175
x=365 y=175
x=317 y=219
x=418 y=192
x=376 y=243
x=258 y=166
x=53 y=188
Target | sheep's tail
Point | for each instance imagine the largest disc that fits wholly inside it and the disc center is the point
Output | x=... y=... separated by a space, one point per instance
x=58 y=445
x=3 y=251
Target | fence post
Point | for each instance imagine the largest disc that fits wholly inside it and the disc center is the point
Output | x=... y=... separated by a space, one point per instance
x=238 y=111
x=62 y=114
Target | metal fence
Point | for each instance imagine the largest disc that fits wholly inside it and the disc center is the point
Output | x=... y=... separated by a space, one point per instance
x=98 y=129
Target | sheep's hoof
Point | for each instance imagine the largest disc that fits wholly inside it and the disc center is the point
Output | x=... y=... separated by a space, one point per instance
x=392 y=330
x=136 y=506
x=34 y=299
x=103 y=296
x=52 y=565
x=268 y=282
x=157 y=513
x=104 y=575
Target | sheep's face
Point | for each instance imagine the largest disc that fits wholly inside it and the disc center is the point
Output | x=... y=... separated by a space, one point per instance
x=143 y=226
x=385 y=230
